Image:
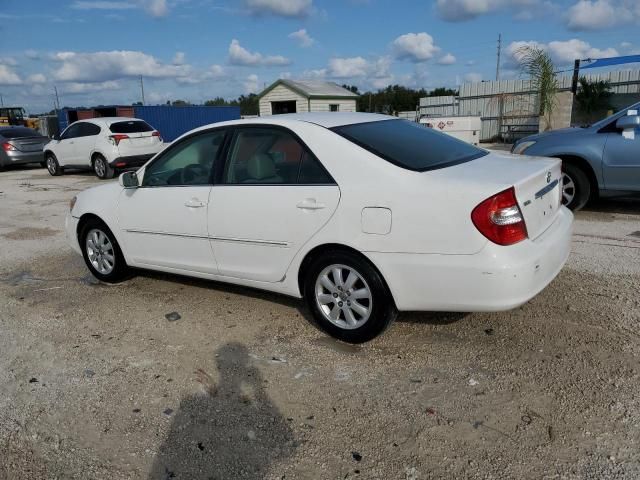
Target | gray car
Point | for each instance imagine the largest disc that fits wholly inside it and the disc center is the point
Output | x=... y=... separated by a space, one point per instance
x=21 y=145
x=602 y=159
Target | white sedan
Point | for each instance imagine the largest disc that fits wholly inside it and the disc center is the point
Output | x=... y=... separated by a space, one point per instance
x=361 y=214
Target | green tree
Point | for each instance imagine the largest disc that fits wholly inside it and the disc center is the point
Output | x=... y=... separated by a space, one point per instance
x=180 y=103
x=216 y=102
x=593 y=98
x=537 y=64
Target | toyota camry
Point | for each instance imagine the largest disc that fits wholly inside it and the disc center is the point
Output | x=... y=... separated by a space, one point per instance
x=362 y=215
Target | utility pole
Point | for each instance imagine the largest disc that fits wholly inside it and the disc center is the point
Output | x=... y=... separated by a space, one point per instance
x=574 y=80
x=55 y=89
x=1 y=101
x=499 y=53
x=142 y=89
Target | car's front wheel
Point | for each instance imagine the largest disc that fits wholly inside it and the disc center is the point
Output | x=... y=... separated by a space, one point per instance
x=52 y=165
x=576 y=188
x=101 y=252
x=101 y=168
x=348 y=297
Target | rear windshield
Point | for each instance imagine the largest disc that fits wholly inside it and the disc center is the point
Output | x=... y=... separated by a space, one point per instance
x=131 y=126
x=18 y=132
x=410 y=145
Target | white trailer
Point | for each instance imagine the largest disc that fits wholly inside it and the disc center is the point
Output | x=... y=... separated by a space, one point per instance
x=465 y=128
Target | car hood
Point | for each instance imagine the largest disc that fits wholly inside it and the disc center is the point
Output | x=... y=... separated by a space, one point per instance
x=572 y=131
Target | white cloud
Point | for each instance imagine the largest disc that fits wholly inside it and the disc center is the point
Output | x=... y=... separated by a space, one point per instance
x=316 y=74
x=155 y=8
x=213 y=73
x=417 y=47
x=562 y=52
x=239 y=55
x=282 y=8
x=626 y=45
x=601 y=14
x=179 y=58
x=463 y=10
x=103 y=66
x=8 y=76
x=36 y=78
x=9 y=61
x=32 y=54
x=251 y=84
x=447 y=59
x=302 y=37
x=348 y=67
x=473 y=77
x=82 y=87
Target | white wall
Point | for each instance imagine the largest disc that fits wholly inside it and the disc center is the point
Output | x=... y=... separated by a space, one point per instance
x=282 y=94
x=323 y=105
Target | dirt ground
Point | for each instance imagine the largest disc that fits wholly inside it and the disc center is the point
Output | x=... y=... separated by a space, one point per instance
x=97 y=383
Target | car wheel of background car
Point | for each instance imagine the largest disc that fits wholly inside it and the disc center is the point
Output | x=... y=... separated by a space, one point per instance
x=348 y=297
x=102 y=168
x=101 y=252
x=576 y=188
x=53 y=166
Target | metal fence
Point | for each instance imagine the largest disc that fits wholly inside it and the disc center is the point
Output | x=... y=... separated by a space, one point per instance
x=506 y=103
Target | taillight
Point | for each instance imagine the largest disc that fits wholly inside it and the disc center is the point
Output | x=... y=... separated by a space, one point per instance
x=499 y=219
x=7 y=147
x=118 y=137
x=157 y=134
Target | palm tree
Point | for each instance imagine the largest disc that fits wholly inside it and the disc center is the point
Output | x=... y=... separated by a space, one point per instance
x=537 y=63
x=593 y=97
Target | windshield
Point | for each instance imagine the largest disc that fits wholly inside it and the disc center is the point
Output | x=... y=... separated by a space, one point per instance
x=410 y=145
x=605 y=121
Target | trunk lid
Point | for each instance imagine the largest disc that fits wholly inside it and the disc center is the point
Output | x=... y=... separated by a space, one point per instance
x=29 y=144
x=536 y=180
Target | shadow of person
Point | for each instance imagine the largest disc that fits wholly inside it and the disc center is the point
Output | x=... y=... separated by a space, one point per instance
x=231 y=431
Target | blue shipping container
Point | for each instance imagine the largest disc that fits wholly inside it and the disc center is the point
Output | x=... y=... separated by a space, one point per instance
x=172 y=122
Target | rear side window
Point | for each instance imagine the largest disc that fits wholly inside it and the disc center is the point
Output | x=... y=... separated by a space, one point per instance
x=19 y=132
x=410 y=145
x=130 y=126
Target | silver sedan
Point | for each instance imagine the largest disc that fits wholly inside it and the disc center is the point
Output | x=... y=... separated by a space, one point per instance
x=21 y=145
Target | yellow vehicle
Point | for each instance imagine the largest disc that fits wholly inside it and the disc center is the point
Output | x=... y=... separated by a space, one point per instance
x=10 y=116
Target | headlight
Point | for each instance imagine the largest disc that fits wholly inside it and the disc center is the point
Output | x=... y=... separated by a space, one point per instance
x=72 y=203
x=521 y=147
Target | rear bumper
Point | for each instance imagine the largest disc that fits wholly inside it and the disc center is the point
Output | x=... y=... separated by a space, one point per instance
x=131 y=161
x=16 y=158
x=497 y=278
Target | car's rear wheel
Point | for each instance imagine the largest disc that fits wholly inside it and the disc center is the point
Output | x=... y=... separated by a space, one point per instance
x=576 y=188
x=348 y=297
x=101 y=168
x=101 y=252
x=52 y=165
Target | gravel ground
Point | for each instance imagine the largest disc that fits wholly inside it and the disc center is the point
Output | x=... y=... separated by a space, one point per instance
x=97 y=382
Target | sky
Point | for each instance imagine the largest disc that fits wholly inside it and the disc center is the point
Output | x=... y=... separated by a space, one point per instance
x=94 y=51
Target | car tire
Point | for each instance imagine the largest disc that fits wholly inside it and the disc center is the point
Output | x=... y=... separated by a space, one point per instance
x=348 y=297
x=576 y=188
x=53 y=167
x=101 y=252
x=101 y=168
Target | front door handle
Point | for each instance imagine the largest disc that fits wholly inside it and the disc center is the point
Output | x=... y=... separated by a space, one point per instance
x=310 y=204
x=194 y=203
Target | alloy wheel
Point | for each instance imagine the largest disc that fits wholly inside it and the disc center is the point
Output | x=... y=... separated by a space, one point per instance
x=568 y=189
x=51 y=165
x=99 y=167
x=343 y=296
x=100 y=251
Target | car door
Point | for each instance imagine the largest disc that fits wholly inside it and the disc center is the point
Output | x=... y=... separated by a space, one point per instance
x=65 y=148
x=271 y=196
x=85 y=142
x=164 y=221
x=621 y=160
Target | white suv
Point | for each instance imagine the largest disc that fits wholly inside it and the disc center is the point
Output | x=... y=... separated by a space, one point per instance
x=103 y=144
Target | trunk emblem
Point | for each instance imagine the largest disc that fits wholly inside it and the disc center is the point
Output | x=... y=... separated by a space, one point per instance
x=548 y=177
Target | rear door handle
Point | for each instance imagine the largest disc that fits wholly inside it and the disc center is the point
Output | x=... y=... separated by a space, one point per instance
x=194 y=203
x=310 y=204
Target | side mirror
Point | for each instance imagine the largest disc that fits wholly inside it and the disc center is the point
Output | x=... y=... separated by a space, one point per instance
x=128 y=180
x=56 y=137
x=628 y=122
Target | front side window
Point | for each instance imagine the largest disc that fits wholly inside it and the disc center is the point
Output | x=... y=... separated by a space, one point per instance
x=410 y=145
x=72 y=132
x=189 y=162
x=271 y=156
